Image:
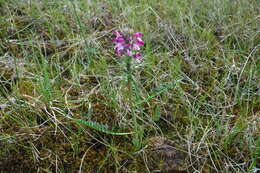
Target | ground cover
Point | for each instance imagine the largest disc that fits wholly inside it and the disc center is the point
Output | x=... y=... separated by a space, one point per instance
x=65 y=104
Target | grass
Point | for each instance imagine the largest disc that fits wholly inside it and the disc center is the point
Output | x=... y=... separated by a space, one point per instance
x=64 y=102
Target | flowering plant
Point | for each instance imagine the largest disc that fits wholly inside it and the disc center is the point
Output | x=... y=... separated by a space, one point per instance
x=128 y=45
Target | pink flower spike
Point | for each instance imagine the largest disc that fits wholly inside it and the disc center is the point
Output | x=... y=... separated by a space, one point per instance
x=138 y=34
x=128 y=45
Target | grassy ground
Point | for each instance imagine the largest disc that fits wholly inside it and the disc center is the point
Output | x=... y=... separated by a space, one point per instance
x=195 y=97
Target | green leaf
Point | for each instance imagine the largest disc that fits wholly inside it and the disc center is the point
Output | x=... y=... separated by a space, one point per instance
x=99 y=127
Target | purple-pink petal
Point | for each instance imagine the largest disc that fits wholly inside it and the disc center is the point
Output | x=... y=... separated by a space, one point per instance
x=127 y=46
x=118 y=40
x=119 y=47
x=129 y=52
x=138 y=34
x=136 y=47
x=118 y=34
x=138 y=55
x=139 y=41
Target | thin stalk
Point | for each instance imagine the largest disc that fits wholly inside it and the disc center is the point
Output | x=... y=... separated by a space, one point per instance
x=129 y=86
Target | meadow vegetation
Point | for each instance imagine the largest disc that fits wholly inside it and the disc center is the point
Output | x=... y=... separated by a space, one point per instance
x=64 y=95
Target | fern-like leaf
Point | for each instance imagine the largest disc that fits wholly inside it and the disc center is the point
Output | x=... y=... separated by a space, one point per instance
x=99 y=127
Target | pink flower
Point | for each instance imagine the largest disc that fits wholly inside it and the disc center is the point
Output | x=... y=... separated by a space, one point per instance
x=139 y=41
x=137 y=57
x=119 y=47
x=129 y=52
x=138 y=34
x=136 y=47
x=128 y=45
x=118 y=40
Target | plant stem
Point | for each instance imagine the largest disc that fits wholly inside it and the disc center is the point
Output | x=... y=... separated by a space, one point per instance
x=129 y=81
x=129 y=85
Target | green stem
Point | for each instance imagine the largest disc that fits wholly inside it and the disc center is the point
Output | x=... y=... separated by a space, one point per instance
x=129 y=81
x=129 y=85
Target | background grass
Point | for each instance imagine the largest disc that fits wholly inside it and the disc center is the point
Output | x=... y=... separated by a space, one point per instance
x=197 y=88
